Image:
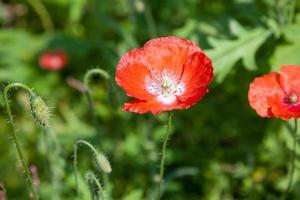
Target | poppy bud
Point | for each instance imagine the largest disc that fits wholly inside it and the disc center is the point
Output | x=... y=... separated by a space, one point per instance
x=102 y=163
x=40 y=110
x=54 y=60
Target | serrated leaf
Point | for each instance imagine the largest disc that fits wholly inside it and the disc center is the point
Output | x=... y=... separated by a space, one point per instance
x=236 y=28
x=216 y=42
x=226 y=53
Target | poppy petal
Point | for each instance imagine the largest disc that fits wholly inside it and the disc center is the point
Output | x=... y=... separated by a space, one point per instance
x=131 y=74
x=286 y=112
x=290 y=78
x=192 y=100
x=197 y=75
x=141 y=106
x=290 y=81
x=168 y=54
x=264 y=93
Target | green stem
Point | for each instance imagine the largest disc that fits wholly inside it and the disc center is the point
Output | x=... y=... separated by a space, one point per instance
x=44 y=15
x=91 y=108
x=91 y=178
x=14 y=134
x=91 y=148
x=293 y=159
x=87 y=78
x=163 y=155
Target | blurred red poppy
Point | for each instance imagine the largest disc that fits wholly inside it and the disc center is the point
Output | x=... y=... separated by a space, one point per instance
x=53 y=60
x=167 y=73
x=277 y=94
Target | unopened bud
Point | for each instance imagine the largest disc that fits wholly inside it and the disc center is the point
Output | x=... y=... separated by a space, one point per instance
x=40 y=110
x=103 y=163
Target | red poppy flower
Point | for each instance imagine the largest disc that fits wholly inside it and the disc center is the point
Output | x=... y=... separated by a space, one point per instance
x=53 y=60
x=167 y=73
x=277 y=94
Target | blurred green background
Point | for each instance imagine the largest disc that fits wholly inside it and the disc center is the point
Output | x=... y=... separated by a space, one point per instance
x=219 y=148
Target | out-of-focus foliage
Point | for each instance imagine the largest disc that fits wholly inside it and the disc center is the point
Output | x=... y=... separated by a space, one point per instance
x=219 y=148
x=287 y=52
x=245 y=48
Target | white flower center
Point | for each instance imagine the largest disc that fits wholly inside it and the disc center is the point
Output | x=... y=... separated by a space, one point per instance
x=293 y=98
x=165 y=88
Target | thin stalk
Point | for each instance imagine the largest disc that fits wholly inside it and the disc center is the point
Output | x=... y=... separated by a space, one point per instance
x=99 y=194
x=14 y=135
x=293 y=161
x=91 y=108
x=163 y=155
x=91 y=148
x=87 y=78
x=42 y=12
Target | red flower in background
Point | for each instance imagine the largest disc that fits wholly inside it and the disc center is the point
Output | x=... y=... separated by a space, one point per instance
x=277 y=95
x=167 y=73
x=53 y=60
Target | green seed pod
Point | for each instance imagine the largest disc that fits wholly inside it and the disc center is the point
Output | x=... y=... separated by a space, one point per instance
x=102 y=163
x=40 y=110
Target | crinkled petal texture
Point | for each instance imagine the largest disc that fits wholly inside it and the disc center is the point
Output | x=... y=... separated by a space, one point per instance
x=263 y=92
x=167 y=73
x=277 y=95
x=290 y=78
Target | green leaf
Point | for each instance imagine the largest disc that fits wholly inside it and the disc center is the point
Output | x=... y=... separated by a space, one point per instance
x=226 y=53
x=18 y=48
x=288 y=53
x=292 y=32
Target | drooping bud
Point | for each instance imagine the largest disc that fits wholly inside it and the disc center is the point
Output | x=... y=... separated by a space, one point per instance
x=103 y=163
x=40 y=110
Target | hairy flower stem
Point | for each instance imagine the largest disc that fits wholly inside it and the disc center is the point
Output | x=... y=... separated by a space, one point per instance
x=97 y=191
x=91 y=148
x=101 y=163
x=87 y=78
x=293 y=160
x=14 y=135
x=163 y=155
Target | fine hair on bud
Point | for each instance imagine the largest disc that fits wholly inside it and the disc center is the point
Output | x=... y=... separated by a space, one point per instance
x=102 y=163
x=40 y=110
